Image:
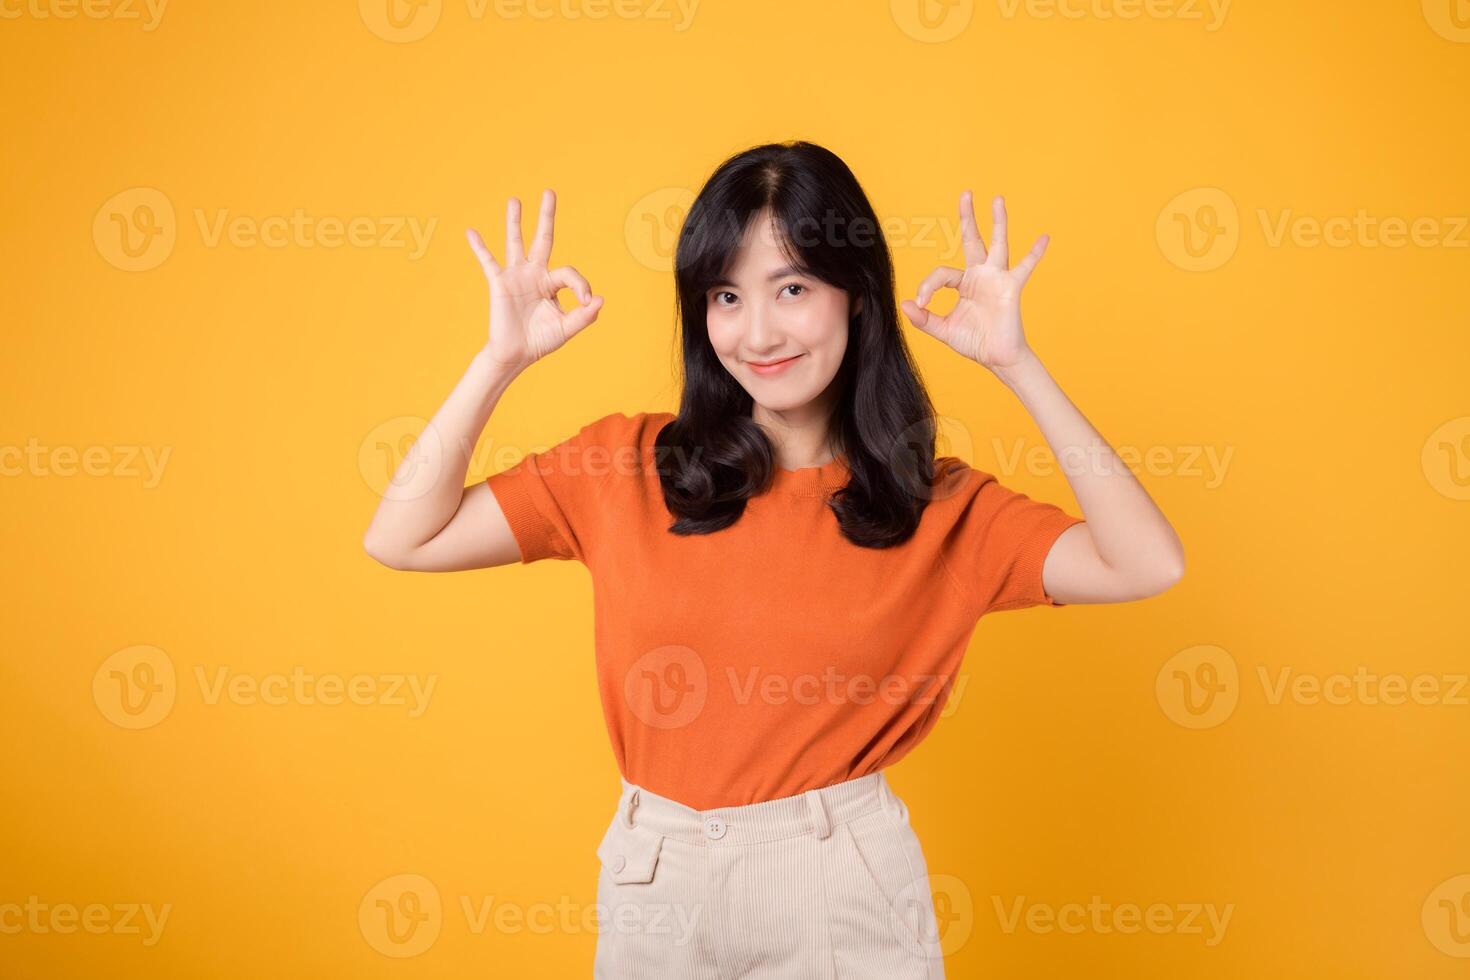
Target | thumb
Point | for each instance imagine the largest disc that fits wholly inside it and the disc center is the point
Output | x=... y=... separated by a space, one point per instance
x=928 y=322
x=574 y=320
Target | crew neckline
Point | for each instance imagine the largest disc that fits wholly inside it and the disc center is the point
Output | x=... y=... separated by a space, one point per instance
x=804 y=481
x=811 y=481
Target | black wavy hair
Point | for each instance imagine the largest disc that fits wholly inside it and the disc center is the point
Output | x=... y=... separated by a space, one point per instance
x=713 y=456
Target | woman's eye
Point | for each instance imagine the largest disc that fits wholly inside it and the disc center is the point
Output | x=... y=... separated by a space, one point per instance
x=795 y=285
x=724 y=293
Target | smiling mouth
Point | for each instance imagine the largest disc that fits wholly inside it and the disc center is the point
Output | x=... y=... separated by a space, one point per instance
x=773 y=363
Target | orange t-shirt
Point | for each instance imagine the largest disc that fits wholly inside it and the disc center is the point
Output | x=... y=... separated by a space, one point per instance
x=773 y=656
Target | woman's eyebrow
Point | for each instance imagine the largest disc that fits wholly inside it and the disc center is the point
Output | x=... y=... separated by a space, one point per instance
x=780 y=273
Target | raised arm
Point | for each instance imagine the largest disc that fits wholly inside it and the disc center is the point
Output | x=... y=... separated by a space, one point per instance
x=428 y=520
x=1124 y=549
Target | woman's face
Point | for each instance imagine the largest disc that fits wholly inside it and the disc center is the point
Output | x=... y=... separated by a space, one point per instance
x=768 y=312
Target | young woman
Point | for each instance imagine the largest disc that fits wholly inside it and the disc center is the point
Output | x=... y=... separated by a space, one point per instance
x=785 y=577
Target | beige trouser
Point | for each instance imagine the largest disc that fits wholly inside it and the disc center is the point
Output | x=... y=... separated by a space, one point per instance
x=830 y=884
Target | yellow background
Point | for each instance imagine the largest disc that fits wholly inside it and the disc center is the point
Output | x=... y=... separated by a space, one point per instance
x=1333 y=376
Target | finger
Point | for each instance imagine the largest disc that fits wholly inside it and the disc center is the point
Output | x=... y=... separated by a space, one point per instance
x=941 y=277
x=931 y=323
x=1024 y=267
x=487 y=261
x=566 y=277
x=999 y=250
x=970 y=231
x=515 y=249
x=575 y=319
x=545 y=223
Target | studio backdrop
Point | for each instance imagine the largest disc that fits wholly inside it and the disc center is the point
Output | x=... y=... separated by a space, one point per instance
x=236 y=285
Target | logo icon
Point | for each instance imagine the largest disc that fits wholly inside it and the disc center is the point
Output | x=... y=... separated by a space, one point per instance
x=1450 y=19
x=1446 y=916
x=387 y=446
x=653 y=225
x=401 y=916
x=1446 y=458
x=135 y=687
x=667 y=687
x=401 y=21
x=953 y=910
x=951 y=438
x=135 y=230
x=1199 y=687
x=1199 y=229
x=932 y=21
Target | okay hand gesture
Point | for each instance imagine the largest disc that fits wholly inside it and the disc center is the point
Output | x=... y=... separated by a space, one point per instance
x=526 y=321
x=985 y=324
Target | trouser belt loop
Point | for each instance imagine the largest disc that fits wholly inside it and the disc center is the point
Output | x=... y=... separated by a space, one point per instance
x=629 y=805
x=821 y=826
x=891 y=803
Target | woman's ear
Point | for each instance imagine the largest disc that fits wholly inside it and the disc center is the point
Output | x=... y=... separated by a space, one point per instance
x=857 y=306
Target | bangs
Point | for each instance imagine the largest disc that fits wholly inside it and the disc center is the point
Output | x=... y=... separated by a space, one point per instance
x=709 y=243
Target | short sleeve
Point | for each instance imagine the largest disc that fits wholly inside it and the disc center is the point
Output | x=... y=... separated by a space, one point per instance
x=551 y=498
x=999 y=542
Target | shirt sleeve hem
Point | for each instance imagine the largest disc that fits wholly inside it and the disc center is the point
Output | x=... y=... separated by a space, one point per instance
x=1031 y=560
x=529 y=528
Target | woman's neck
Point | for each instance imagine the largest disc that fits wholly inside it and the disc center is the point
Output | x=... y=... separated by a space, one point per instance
x=801 y=437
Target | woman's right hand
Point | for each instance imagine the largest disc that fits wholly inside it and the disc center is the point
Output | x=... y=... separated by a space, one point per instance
x=526 y=321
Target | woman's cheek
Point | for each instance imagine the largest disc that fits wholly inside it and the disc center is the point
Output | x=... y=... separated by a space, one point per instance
x=722 y=336
x=824 y=325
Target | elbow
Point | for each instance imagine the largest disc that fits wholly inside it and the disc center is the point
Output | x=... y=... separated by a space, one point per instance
x=383 y=553
x=1168 y=574
x=1171 y=579
x=1145 y=583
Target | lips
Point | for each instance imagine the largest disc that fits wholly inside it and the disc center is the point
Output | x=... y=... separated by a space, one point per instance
x=773 y=367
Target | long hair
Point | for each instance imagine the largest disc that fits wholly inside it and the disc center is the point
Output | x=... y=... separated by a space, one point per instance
x=713 y=456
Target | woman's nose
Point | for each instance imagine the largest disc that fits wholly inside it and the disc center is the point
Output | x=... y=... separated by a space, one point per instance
x=759 y=328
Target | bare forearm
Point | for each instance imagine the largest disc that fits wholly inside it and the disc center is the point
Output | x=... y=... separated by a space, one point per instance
x=428 y=485
x=1130 y=533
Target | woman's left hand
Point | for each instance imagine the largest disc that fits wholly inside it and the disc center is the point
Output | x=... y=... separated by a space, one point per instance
x=985 y=324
